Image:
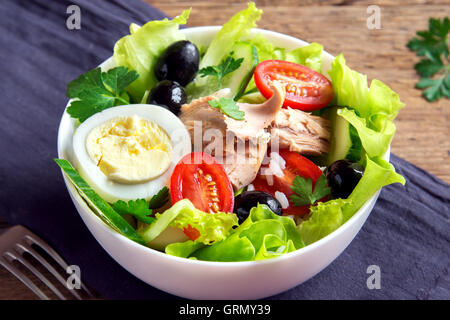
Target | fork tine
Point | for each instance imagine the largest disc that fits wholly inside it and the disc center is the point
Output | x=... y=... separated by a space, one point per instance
x=32 y=238
x=27 y=248
x=18 y=257
x=25 y=280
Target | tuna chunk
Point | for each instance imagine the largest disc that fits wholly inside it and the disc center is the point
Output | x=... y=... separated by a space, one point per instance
x=240 y=145
x=301 y=132
x=258 y=116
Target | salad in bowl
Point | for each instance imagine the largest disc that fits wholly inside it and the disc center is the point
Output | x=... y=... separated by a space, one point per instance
x=221 y=147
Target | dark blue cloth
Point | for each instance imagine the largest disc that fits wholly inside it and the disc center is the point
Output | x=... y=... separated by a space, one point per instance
x=406 y=235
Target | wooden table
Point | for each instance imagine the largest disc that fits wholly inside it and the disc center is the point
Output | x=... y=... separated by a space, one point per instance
x=423 y=128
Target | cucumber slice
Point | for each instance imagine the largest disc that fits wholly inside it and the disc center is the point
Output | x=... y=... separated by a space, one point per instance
x=340 y=137
x=238 y=80
x=344 y=143
x=103 y=209
x=254 y=98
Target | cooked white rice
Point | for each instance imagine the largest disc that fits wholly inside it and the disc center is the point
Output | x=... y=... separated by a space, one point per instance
x=269 y=179
x=275 y=168
x=275 y=156
x=281 y=197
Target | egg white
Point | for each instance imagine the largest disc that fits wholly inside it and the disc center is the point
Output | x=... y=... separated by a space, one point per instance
x=112 y=191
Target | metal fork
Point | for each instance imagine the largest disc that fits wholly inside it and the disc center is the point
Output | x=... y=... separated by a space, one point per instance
x=19 y=240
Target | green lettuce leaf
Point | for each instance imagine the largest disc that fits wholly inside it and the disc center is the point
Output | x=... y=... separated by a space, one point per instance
x=375 y=142
x=265 y=49
x=377 y=174
x=356 y=152
x=350 y=87
x=140 y=50
x=237 y=28
x=351 y=90
x=233 y=249
x=370 y=111
x=383 y=101
x=325 y=218
x=310 y=56
x=263 y=235
x=183 y=249
x=258 y=231
x=262 y=212
x=232 y=31
x=212 y=227
x=272 y=247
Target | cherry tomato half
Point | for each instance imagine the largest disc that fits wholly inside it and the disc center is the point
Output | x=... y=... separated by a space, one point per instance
x=296 y=165
x=306 y=89
x=200 y=178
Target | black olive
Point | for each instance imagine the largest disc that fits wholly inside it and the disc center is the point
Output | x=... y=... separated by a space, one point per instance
x=179 y=62
x=247 y=200
x=343 y=176
x=168 y=94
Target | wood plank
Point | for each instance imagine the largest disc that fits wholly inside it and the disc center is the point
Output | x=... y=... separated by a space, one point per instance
x=422 y=128
x=292 y=3
x=13 y=289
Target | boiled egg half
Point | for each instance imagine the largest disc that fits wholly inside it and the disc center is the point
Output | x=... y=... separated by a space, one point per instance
x=129 y=152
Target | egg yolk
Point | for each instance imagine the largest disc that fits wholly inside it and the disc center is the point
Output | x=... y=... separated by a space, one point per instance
x=130 y=150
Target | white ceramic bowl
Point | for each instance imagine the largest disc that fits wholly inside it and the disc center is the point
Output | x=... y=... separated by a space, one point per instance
x=215 y=280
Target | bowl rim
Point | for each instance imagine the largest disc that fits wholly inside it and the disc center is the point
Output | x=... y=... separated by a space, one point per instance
x=75 y=196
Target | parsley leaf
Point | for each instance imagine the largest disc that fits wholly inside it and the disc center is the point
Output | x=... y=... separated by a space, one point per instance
x=228 y=65
x=436 y=87
x=427 y=67
x=117 y=79
x=96 y=91
x=159 y=199
x=434 y=38
x=140 y=209
x=432 y=44
x=304 y=190
x=228 y=107
x=137 y=208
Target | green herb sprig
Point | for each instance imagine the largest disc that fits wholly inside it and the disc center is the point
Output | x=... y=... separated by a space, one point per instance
x=137 y=208
x=140 y=208
x=96 y=91
x=434 y=67
x=228 y=107
x=228 y=65
x=304 y=193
